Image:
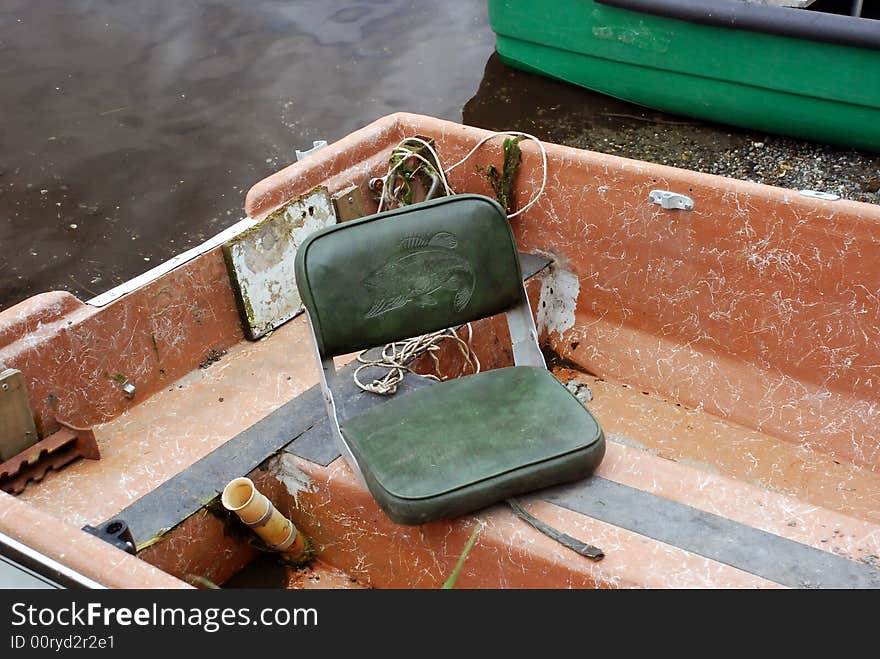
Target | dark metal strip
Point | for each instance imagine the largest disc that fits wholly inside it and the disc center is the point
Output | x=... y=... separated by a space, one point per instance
x=741 y=546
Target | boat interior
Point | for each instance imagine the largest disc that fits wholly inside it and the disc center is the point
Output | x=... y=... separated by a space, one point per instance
x=725 y=335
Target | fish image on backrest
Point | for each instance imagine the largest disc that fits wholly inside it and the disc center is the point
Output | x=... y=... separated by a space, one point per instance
x=416 y=275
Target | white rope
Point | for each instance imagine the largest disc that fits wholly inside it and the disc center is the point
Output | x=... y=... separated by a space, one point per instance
x=396 y=356
x=514 y=133
x=405 y=154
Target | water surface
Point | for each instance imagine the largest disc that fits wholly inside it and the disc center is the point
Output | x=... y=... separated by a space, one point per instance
x=132 y=130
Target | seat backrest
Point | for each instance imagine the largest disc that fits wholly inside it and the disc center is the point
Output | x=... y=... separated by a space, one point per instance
x=409 y=271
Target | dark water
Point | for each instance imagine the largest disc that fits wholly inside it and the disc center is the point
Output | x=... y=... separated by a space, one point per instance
x=143 y=124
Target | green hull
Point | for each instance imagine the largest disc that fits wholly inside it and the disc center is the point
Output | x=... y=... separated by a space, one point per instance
x=808 y=89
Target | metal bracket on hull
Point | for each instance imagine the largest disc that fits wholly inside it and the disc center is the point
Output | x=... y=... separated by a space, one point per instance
x=671 y=200
x=17 y=430
x=818 y=194
x=116 y=532
x=317 y=145
x=351 y=204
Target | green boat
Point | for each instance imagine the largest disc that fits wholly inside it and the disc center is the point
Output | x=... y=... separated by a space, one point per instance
x=806 y=72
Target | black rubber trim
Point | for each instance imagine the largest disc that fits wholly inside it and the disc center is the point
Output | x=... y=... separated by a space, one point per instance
x=782 y=21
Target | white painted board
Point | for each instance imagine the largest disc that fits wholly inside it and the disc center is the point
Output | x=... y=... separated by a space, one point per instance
x=261 y=261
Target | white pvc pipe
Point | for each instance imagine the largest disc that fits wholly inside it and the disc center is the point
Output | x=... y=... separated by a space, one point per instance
x=254 y=509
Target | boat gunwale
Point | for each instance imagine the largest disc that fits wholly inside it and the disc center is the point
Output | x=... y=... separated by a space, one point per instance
x=837 y=29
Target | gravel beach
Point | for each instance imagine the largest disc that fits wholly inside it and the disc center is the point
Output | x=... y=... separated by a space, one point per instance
x=567 y=114
x=770 y=159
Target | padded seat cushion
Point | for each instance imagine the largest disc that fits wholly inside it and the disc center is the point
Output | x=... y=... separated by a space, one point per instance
x=460 y=445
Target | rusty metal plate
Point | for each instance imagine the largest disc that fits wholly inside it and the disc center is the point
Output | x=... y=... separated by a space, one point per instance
x=352 y=203
x=17 y=430
x=260 y=261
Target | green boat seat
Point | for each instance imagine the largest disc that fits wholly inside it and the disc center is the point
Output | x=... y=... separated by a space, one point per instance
x=457 y=446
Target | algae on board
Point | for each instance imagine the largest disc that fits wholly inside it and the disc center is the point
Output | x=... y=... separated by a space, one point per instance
x=502 y=184
x=260 y=261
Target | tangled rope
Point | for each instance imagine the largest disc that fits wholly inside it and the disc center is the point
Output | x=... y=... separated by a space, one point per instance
x=396 y=356
x=402 y=153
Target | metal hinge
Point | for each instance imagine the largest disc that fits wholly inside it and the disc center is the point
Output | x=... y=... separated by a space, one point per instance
x=671 y=200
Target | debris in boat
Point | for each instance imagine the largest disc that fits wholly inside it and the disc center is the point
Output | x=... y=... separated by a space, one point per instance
x=502 y=184
x=410 y=149
x=129 y=390
x=212 y=357
x=577 y=546
x=232 y=525
x=254 y=508
x=156 y=539
x=450 y=582
x=558 y=364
